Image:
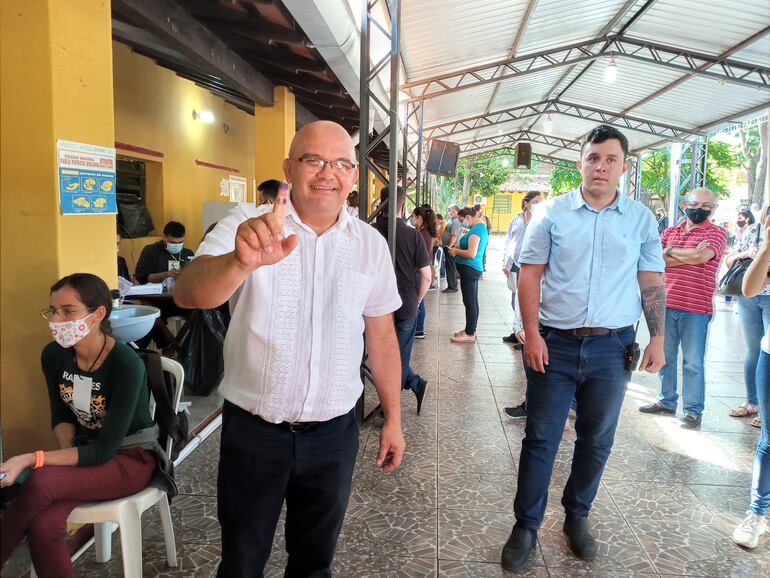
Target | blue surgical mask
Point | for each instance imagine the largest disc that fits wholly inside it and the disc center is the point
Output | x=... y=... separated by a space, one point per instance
x=467 y=224
x=174 y=248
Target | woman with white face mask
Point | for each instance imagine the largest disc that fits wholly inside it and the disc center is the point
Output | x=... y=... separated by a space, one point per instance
x=98 y=395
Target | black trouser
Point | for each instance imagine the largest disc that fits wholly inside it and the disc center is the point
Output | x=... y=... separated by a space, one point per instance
x=260 y=465
x=469 y=285
x=451 y=269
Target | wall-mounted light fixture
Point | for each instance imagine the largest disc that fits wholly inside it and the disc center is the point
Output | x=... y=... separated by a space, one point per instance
x=205 y=116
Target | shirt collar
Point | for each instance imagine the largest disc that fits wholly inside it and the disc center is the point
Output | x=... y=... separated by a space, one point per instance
x=344 y=220
x=620 y=203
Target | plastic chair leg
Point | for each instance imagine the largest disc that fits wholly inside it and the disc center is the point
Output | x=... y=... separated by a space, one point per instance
x=168 y=531
x=103 y=539
x=131 y=543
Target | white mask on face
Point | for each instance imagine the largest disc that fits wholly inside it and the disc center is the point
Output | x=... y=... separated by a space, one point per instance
x=68 y=333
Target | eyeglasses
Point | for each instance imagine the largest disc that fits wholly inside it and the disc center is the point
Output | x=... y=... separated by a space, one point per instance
x=66 y=312
x=316 y=164
x=700 y=206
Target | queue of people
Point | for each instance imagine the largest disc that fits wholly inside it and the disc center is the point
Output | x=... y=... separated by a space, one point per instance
x=311 y=288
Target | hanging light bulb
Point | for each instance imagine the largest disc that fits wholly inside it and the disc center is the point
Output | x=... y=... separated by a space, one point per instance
x=506 y=162
x=548 y=124
x=611 y=71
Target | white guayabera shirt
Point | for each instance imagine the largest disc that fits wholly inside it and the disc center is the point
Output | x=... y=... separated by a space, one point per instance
x=295 y=342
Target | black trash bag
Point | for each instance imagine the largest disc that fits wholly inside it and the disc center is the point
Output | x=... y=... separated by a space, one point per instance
x=134 y=219
x=202 y=350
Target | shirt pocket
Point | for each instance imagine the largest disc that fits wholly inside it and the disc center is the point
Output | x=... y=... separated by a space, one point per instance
x=357 y=289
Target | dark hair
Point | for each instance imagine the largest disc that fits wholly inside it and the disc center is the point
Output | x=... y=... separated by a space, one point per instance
x=439 y=216
x=467 y=212
x=92 y=292
x=269 y=188
x=400 y=196
x=428 y=219
x=605 y=132
x=174 y=229
x=528 y=198
x=353 y=199
x=748 y=214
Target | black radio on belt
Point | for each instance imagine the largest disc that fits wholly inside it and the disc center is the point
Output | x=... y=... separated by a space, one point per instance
x=632 y=355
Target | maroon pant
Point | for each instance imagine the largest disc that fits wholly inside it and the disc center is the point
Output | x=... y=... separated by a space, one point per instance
x=52 y=492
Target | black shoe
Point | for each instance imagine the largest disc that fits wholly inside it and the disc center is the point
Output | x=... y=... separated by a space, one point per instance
x=510 y=338
x=517 y=412
x=580 y=539
x=450 y=290
x=419 y=393
x=690 y=421
x=657 y=407
x=419 y=335
x=518 y=547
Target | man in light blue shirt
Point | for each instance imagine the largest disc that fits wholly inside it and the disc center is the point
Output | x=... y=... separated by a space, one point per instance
x=590 y=264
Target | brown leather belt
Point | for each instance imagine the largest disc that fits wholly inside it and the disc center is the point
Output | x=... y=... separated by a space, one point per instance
x=589 y=331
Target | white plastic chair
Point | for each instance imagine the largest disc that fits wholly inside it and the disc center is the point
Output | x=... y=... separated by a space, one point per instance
x=127 y=512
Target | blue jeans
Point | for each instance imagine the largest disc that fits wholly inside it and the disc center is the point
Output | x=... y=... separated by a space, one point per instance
x=760 y=484
x=691 y=330
x=469 y=286
x=754 y=313
x=405 y=335
x=420 y=326
x=590 y=370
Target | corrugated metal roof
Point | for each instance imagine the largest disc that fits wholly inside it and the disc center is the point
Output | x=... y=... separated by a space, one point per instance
x=443 y=35
x=710 y=26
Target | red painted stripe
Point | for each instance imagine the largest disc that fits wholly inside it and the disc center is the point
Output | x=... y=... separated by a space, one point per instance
x=137 y=149
x=215 y=166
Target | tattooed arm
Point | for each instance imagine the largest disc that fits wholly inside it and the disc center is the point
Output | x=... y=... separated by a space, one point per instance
x=654 y=306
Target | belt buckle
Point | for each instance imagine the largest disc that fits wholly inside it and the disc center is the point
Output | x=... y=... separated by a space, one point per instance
x=299 y=426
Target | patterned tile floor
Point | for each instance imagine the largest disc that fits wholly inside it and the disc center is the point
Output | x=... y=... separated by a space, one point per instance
x=667 y=505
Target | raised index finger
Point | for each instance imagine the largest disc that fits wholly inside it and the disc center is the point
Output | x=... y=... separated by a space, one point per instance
x=279 y=208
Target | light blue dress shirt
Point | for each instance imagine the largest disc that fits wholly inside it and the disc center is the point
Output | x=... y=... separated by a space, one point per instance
x=591 y=260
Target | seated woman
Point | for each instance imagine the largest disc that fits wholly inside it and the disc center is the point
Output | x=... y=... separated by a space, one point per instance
x=469 y=258
x=100 y=418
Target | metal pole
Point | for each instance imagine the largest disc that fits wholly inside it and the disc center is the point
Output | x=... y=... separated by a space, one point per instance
x=395 y=21
x=673 y=197
x=638 y=179
x=418 y=177
x=363 y=112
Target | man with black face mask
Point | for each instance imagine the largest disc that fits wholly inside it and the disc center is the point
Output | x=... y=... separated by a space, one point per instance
x=692 y=251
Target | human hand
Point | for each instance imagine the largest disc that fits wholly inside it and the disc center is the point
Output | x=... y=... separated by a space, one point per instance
x=536 y=353
x=173 y=273
x=505 y=272
x=702 y=245
x=14 y=467
x=391 y=447
x=653 y=358
x=521 y=336
x=260 y=240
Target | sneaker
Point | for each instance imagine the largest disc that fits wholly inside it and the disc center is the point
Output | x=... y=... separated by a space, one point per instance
x=450 y=290
x=657 y=407
x=690 y=421
x=510 y=338
x=516 y=412
x=419 y=335
x=748 y=532
x=419 y=393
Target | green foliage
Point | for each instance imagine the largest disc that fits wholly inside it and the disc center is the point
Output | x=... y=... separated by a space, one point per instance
x=563 y=179
x=486 y=175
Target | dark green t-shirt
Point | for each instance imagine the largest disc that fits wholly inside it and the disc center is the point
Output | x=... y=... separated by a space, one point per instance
x=119 y=400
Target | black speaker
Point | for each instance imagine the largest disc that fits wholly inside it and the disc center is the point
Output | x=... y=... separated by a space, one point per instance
x=442 y=158
x=523 y=155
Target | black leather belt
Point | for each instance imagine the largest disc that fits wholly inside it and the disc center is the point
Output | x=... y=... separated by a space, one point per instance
x=292 y=426
x=589 y=331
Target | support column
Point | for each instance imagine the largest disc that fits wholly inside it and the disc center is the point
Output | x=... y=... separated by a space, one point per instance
x=673 y=194
x=55 y=83
x=275 y=127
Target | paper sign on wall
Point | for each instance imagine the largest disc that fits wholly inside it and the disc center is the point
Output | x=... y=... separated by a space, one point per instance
x=224 y=188
x=237 y=189
x=86 y=179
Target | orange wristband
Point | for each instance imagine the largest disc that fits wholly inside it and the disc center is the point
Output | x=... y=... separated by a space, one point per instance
x=39 y=459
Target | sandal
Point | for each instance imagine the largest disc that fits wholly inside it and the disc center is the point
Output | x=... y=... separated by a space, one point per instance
x=463 y=338
x=458 y=333
x=744 y=410
x=756 y=422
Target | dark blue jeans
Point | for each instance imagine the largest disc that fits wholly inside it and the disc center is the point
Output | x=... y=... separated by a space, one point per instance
x=469 y=286
x=760 y=485
x=590 y=369
x=405 y=335
x=261 y=465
